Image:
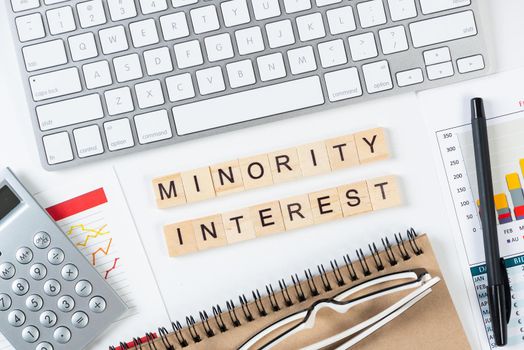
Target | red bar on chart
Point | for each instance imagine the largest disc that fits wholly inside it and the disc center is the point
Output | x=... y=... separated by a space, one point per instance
x=503 y=211
x=517 y=195
x=77 y=205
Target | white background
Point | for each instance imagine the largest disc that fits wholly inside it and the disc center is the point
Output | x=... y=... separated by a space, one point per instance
x=201 y=280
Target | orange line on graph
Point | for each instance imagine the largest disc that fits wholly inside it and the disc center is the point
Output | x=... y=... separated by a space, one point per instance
x=95 y=233
x=112 y=268
x=101 y=250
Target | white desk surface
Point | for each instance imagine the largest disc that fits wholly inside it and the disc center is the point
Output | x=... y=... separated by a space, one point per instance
x=293 y=251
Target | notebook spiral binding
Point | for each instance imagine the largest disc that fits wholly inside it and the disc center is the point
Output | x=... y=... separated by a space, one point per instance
x=400 y=249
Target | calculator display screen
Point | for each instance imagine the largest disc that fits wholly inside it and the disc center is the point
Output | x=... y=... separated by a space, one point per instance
x=8 y=201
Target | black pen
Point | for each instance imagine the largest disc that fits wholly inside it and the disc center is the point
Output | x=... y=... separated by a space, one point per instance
x=498 y=293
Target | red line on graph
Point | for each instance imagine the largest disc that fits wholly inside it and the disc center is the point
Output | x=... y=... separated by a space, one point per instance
x=112 y=268
x=101 y=250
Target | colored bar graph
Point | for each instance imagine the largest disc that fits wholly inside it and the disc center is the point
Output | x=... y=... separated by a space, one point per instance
x=503 y=210
x=517 y=195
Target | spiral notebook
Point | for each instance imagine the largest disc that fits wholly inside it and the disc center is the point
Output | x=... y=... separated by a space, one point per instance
x=432 y=323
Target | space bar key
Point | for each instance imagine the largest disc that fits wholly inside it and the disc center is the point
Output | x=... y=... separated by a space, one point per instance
x=248 y=105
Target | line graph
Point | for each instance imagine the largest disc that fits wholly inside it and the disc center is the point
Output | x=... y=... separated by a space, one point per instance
x=93 y=233
x=107 y=272
x=103 y=251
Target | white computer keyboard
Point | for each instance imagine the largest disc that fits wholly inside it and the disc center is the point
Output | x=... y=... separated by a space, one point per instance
x=109 y=77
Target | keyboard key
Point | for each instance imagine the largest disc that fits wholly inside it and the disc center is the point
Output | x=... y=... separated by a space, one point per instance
x=371 y=13
x=470 y=64
x=30 y=27
x=362 y=46
x=210 y=80
x=149 y=94
x=441 y=29
x=118 y=135
x=55 y=84
x=180 y=3
x=57 y=148
x=327 y=2
x=5 y=302
x=97 y=304
x=44 y=55
x=332 y=53
x=38 y=272
x=61 y=20
x=393 y=40
x=42 y=240
x=219 y=47
x=439 y=71
x=235 y=12
x=127 y=68
x=343 y=84
x=341 y=20
x=7 y=271
x=264 y=9
x=23 y=5
x=249 y=40
x=402 y=9
x=91 y=13
x=44 y=346
x=240 y=73
x=52 y=288
x=121 y=9
x=248 y=105
x=88 y=143
x=55 y=256
x=58 y=114
x=119 y=101
x=280 y=34
x=48 y=319
x=80 y=319
x=432 y=6
x=271 y=67
x=188 y=54
x=30 y=334
x=62 y=335
x=377 y=76
x=158 y=61
x=70 y=271
x=24 y=255
x=174 y=26
x=152 y=6
x=310 y=27
x=52 y=2
x=180 y=87
x=66 y=303
x=84 y=288
x=152 y=127
x=144 y=33
x=410 y=77
x=113 y=40
x=82 y=47
x=205 y=19
x=293 y=6
x=16 y=318
x=437 y=56
x=302 y=60
x=34 y=303
x=20 y=286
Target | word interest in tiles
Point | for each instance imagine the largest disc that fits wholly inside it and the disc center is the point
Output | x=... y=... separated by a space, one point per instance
x=271 y=168
x=283 y=215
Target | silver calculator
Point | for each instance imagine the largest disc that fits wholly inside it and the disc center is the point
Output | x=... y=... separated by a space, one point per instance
x=51 y=298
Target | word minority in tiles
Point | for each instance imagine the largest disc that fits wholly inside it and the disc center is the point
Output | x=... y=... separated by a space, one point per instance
x=271 y=168
x=280 y=216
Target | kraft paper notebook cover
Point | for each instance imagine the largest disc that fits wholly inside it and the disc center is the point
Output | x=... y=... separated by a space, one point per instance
x=430 y=324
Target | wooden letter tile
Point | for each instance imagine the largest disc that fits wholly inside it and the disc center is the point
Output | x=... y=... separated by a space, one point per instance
x=314 y=159
x=342 y=152
x=372 y=145
x=180 y=238
x=227 y=178
x=325 y=205
x=267 y=218
x=256 y=171
x=285 y=165
x=384 y=192
x=198 y=185
x=238 y=226
x=209 y=232
x=169 y=191
x=296 y=212
x=354 y=199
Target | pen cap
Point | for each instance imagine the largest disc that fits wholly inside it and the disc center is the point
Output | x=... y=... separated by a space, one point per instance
x=477 y=108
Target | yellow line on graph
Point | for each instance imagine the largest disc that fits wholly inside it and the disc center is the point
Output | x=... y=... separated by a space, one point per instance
x=95 y=233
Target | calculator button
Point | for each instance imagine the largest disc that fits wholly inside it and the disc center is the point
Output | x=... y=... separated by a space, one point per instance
x=56 y=256
x=44 y=346
x=62 y=335
x=42 y=240
x=5 y=302
x=38 y=272
x=69 y=272
x=48 y=319
x=52 y=288
x=16 y=318
x=7 y=271
x=66 y=303
x=97 y=304
x=80 y=319
x=24 y=255
x=30 y=334
x=83 y=288
x=34 y=303
x=20 y=286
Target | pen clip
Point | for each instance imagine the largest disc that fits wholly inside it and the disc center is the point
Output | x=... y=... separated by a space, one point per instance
x=507 y=290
